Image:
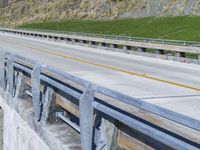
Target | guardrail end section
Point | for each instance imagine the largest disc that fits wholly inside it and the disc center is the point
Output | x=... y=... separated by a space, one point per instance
x=87 y=118
x=36 y=98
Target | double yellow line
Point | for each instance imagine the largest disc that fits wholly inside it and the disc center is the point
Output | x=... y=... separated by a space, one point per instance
x=102 y=65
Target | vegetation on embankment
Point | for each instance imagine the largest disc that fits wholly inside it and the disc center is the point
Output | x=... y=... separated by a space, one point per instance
x=176 y=28
x=19 y=12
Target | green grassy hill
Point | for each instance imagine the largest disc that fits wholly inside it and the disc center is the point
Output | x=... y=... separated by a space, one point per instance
x=178 y=28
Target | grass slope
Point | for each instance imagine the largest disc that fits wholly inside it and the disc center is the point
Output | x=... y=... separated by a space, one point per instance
x=177 y=28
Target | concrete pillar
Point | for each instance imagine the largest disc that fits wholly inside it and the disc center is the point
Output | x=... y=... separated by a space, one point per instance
x=180 y=54
x=159 y=51
x=141 y=49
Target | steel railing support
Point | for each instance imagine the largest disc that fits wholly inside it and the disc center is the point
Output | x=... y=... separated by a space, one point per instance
x=36 y=99
x=2 y=69
x=86 y=118
x=10 y=75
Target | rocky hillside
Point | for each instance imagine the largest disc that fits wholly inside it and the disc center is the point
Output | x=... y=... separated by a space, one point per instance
x=26 y=11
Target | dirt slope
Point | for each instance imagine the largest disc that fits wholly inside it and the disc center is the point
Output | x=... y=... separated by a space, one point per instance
x=24 y=11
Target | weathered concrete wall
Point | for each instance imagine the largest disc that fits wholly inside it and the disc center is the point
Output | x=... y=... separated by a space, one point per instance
x=17 y=134
x=21 y=129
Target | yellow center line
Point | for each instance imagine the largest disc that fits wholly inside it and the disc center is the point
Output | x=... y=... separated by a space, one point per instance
x=103 y=66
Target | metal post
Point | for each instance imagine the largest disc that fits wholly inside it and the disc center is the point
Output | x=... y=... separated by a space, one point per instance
x=159 y=51
x=35 y=78
x=113 y=46
x=141 y=49
x=102 y=44
x=10 y=74
x=199 y=58
x=179 y=54
x=81 y=42
x=87 y=118
x=73 y=41
x=125 y=47
x=2 y=69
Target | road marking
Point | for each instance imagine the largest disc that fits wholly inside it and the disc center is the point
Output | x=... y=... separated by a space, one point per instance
x=103 y=66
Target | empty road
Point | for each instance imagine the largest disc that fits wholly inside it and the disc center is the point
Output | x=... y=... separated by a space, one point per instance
x=172 y=85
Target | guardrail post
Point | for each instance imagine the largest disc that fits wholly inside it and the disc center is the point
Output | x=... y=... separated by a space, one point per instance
x=2 y=69
x=10 y=75
x=90 y=43
x=102 y=44
x=87 y=118
x=141 y=49
x=112 y=46
x=81 y=42
x=179 y=54
x=199 y=58
x=73 y=41
x=159 y=51
x=35 y=81
x=126 y=47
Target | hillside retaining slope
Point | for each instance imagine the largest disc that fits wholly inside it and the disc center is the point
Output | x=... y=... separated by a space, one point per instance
x=19 y=12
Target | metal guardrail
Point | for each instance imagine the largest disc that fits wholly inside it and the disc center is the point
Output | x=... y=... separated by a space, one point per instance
x=119 y=37
x=184 y=51
x=89 y=103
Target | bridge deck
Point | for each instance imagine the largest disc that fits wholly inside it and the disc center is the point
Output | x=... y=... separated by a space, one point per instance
x=172 y=85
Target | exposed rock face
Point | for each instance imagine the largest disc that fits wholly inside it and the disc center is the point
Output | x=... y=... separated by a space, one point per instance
x=24 y=11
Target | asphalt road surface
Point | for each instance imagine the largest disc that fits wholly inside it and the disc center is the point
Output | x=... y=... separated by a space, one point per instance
x=172 y=85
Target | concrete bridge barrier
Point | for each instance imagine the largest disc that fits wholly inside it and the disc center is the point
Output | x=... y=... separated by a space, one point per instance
x=156 y=48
